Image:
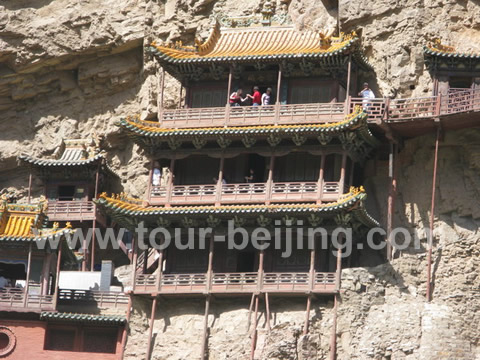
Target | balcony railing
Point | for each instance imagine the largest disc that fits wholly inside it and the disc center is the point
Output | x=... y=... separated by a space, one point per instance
x=76 y=210
x=16 y=299
x=245 y=193
x=235 y=283
x=252 y=115
x=101 y=299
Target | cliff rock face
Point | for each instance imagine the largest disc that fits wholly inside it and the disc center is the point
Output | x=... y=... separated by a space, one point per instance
x=68 y=67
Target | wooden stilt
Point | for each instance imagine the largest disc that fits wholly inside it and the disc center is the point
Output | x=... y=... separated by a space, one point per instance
x=338 y=273
x=92 y=257
x=307 y=315
x=150 y=180
x=159 y=270
x=250 y=308
x=349 y=74
x=170 y=182
x=270 y=179
x=160 y=104
x=134 y=263
x=220 y=180
x=150 y=329
x=320 y=179
x=333 y=338
x=341 y=185
x=432 y=213
x=210 y=263
x=30 y=186
x=57 y=275
x=277 y=100
x=125 y=329
x=203 y=353
x=254 y=332
x=27 y=278
x=267 y=309
x=390 y=201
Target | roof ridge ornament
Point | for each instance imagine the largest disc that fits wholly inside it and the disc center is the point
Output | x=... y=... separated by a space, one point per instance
x=437 y=45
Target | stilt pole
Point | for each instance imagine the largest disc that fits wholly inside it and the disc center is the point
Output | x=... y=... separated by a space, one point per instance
x=254 y=332
x=432 y=211
x=333 y=339
x=30 y=186
x=267 y=308
x=27 y=279
x=203 y=354
x=150 y=329
x=125 y=329
x=307 y=315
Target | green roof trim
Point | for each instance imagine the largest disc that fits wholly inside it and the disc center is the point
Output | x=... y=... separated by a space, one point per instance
x=53 y=162
x=83 y=318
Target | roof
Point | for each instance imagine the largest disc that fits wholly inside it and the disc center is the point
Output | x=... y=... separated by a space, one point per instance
x=26 y=222
x=71 y=152
x=83 y=318
x=119 y=206
x=139 y=129
x=257 y=43
x=439 y=56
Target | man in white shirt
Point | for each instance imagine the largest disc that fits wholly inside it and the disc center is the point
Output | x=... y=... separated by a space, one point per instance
x=3 y=282
x=366 y=94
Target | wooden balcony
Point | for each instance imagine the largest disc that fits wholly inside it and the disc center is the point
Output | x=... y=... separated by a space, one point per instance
x=246 y=193
x=71 y=299
x=15 y=299
x=233 y=283
x=252 y=115
x=77 y=210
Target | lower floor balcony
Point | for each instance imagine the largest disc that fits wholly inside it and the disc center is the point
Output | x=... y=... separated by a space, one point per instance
x=16 y=299
x=237 y=283
x=247 y=193
x=75 y=210
x=73 y=300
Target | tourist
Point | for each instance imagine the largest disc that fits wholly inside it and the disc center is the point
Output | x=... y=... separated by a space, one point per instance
x=4 y=282
x=156 y=174
x=236 y=98
x=366 y=94
x=256 y=97
x=266 y=97
x=250 y=177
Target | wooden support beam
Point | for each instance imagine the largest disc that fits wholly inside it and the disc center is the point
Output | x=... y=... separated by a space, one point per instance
x=307 y=315
x=125 y=329
x=220 y=180
x=333 y=338
x=277 y=100
x=30 y=186
x=134 y=262
x=261 y=261
x=150 y=329
x=150 y=180
x=320 y=179
x=250 y=308
x=27 y=279
x=160 y=104
x=432 y=213
x=270 y=179
x=267 y=309
x=170 y=182
x=180 y=96
x=45 y=274
x=390 y=206
x=210 y=263
x=338 y=273
x=341 y=184
x=159 y=269
x=57 y=275
x=204 y=349
x=92 y=258
x=349 y=74
x=254 y=332
x=229 y=86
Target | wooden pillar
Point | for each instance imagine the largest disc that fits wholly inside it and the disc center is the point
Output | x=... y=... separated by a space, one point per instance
x=134 y=262
x=150 y=329
x=45 y=274
x=320 y=179
x=30 y=186
x=261 y=261
x=270 y=180
x=180 y=96
x=125 y=329
x=311 y=285
x=159 y=270
x=250 y=308
x=203 y=351
x=220 y=181
x=277 y=100
x=160 y=101
x=349 y=74
x=338 y=274
x=391 y=197
x=57 y=276
x=254 y=332
x=307 y=314
x=341 y=183
x=229 y=86
x=150 y=180
x=432 y=212
x=210 y=262
x=333 y=338
x=267 y=309
x=27 y=281
x=92 y=257
x=170 y=182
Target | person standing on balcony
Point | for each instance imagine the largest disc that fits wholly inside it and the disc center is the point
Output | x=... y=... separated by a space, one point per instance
x=250 y=177
x=366 y=94
x=266 y=97
x=156 y=175
x=236 y=98
x=256 y=97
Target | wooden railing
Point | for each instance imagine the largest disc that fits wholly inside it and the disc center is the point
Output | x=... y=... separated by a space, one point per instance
x=16 y=298
x=252 y=115
x=244 y=193
x=71 y=210
x=101 y=299
x=235 y=282
x=379 y=109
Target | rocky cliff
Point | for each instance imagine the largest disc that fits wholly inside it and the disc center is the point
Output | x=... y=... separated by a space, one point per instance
x=68 y=67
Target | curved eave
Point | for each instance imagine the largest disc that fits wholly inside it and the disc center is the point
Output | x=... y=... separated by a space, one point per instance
x=188 y=57
x=428 y=51
x=140 y=128
x=83 y=318
x=60 y=163
x=39 y=238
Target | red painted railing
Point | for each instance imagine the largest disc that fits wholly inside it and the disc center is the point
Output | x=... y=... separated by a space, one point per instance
x=71 y=210
x=244 y=193
x=102 y=299
x=235 y=282
x=16 y=298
